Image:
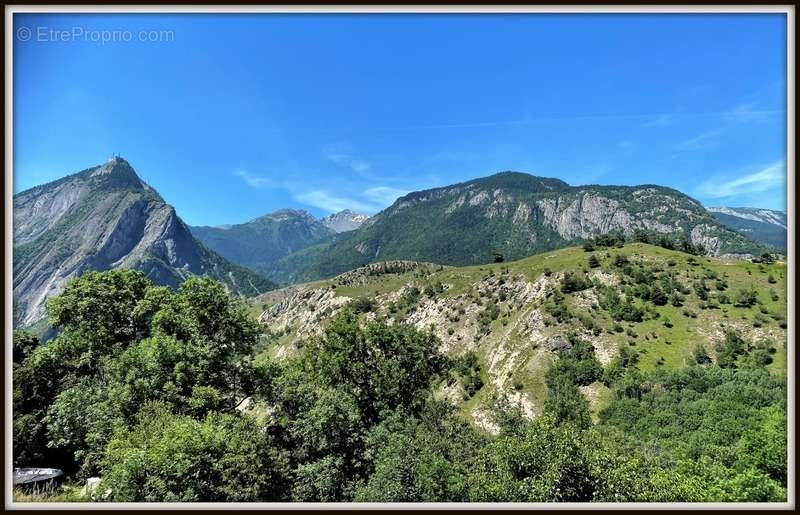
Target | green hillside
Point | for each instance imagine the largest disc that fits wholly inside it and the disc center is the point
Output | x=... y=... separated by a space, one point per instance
x=653 y=305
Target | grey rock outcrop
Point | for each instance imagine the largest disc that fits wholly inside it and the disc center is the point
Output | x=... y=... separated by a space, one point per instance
x=102 y=218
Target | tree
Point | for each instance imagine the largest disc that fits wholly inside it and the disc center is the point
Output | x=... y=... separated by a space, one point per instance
x=169 y=458
x=767 y=258
x=497 y=257
x=101 y=304
x=384 y=366
x=730 y=350
x=427 y=459
x=565 y=403
x=547 y=463
x=23 y=344
x=593 y=261
x=700 y=355
x=657 y=296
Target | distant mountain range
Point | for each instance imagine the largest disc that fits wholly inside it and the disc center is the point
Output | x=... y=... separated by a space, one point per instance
x=762 y=225
x=106 y=217
x=259 y=243
x=513 y=214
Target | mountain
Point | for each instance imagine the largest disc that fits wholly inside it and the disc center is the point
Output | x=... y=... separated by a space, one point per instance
x=100 y=218
x=344 y=221
x=511 y=213
x=765 y=226
x=638 y=304
x=257 y=244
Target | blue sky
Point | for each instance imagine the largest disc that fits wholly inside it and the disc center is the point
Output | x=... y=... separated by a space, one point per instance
x=232 y=116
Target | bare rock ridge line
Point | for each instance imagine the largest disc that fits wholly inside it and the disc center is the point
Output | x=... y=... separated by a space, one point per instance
x=101 y=218
x=516 y=215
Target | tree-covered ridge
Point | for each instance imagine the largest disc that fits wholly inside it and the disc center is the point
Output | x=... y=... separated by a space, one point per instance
x=180 y=396
x=516 y=215
x=259 y=243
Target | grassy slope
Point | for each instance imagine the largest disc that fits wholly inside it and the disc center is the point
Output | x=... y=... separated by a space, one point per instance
x=670 y=348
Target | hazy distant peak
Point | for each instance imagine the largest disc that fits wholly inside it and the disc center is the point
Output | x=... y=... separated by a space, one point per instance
x=757 y=214
x=343 y=221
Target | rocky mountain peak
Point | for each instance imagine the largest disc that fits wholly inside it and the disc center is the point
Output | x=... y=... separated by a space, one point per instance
x=287 y=213
x=343 y=221
x=117 y=173
x=101 y=218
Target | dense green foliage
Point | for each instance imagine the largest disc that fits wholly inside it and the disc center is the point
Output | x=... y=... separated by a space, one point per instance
x=146 y=387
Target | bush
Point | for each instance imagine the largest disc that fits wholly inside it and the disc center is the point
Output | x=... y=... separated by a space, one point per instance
x=168 y=458
x=746 y=297
x=657 y=296
x=362 y=304
x=574 y=281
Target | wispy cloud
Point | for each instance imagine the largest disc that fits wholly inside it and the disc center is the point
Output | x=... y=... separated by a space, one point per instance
x=383 y=195
x=626 y=143
x=370 y=200
x=332 y=203
x=740 y=113
x=699 y=142
x=759 y=181
x=341 y=155
x=256 y=181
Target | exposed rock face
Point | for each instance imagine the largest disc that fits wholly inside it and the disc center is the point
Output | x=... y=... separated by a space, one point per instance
x=105 y=217
x=344 y=221
x=516 y=215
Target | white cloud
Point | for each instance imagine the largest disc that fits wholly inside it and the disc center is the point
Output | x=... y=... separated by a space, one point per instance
x=699 y=142
x=626 y=143
x=765 y=179
x=332 y=203
x=255 y=181
x=383 y=195
x=340 y=154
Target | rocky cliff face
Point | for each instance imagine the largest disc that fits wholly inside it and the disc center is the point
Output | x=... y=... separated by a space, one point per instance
x=344 y=221
x=516 y=215
x=100 y=218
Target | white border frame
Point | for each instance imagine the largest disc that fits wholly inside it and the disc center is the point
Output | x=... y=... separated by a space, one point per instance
x=9 y=11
